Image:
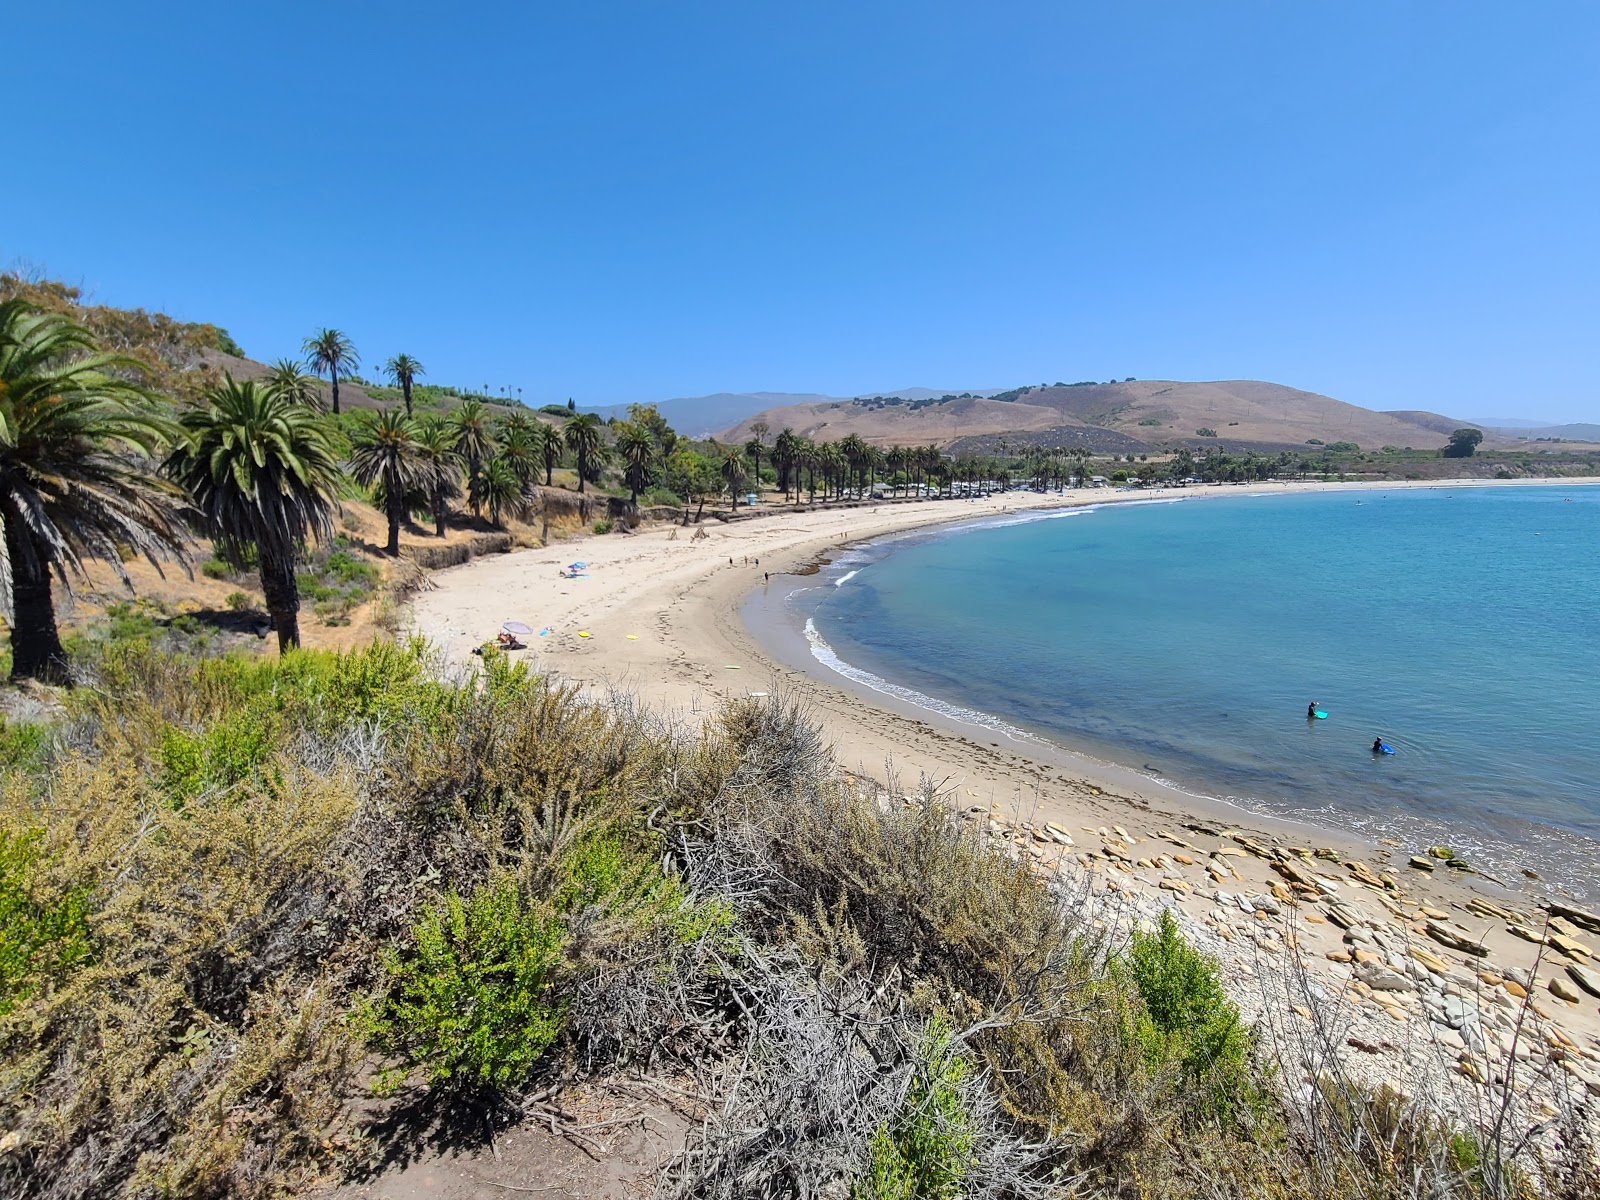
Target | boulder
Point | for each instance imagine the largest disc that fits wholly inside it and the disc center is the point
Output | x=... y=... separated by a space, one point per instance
x=1421 y=863
x=1562 y=990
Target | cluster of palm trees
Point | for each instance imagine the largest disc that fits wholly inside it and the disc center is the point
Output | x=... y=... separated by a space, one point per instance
x=94 y=465
x=851 y=465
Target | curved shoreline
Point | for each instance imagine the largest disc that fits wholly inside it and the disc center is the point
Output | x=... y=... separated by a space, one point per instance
x=663 y=616
x=1506 y=852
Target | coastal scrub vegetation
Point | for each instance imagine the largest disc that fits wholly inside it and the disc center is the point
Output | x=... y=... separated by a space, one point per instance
x=262 y=915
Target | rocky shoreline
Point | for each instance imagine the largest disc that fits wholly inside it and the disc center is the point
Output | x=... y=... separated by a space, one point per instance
x=1351 y=972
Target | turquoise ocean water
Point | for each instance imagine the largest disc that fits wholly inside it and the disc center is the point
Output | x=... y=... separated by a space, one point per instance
x=1187 y=638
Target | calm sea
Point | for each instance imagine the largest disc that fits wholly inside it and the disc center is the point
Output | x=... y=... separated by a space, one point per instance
x=1187 y=638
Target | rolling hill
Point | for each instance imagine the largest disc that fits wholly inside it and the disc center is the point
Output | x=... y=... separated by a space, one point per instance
x=1116 y=418
x=703 y=416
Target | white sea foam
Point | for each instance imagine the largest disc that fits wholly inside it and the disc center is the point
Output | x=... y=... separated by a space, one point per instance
x=828 y=657
x=846 y=578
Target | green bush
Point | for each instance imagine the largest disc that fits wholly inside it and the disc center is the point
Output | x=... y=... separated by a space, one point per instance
x=472 y=1001
x=1207 y=432
x=1187 y=1020
x=39 y=938
x=603 y=525
x=237 y=601
x=346 y=568
x=215 y=568
x=926 y=1152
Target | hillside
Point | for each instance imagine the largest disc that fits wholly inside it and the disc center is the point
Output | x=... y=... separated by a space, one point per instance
x=701 y=416
x=1118 y=418
x=183 y=358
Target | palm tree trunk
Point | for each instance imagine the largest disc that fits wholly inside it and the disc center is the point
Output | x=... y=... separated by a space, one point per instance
x=282 y=593
x=473 y=489
x=394 y=502
x=36 y=651
x=583 y=463
x=438 y=511
x=333 y=374
x=407 y=390
x=548 y=467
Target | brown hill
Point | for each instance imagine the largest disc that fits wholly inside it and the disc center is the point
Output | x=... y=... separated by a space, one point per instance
x=1116 y=417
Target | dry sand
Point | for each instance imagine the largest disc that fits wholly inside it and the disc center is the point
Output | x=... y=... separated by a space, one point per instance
x=658 y=616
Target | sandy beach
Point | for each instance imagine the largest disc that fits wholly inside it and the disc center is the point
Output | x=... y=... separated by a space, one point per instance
x=657 y=614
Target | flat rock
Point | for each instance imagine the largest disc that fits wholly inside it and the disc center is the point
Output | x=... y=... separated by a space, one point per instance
x=1588 y=980
x=1383 y=979
x=1570 y=946
x=1455 y=939
x=1579 y=917
x=1420 y=863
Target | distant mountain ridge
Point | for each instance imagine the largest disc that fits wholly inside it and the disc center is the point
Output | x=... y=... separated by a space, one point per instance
x=1125 y=417
x=702 y=416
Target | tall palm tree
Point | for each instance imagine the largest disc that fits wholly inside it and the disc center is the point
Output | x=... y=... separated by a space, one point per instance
x=441 y=465
x=638 y=450
x=475 y=442
x=386 y=455
x=404 y=369
x=290 y=379
x=854 y=451
x=786 y=457
x=584 y=437
x=331 y=351
x=264 y=476
x=732 y=468
x=756 y=447
x=501 y=490
x=73 y=480
x=547 y=440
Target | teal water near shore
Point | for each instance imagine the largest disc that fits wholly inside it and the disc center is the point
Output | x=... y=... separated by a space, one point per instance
x=1186 y=639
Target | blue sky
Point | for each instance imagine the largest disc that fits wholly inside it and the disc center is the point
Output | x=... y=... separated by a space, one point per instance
x=1393 y=203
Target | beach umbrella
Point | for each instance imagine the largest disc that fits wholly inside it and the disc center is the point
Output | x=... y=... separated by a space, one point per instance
x=515 y=627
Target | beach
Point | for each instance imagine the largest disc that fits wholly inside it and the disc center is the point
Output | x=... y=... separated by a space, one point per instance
x=657 y=614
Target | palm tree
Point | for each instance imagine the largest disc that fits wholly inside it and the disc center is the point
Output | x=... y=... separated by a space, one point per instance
x=586 y=441
x=756 y=446
x=72 y=483
x=264 y=476
x=404 y=369
x=638 y=450
x=786 y=457
x=441 y=465
x=386 y=455
x=331 y=351
x=290 y=379
x=501 y=490
x=517 y=449
x=475 y=442
x=854 y=451
x=732 y=468
x=547 y=441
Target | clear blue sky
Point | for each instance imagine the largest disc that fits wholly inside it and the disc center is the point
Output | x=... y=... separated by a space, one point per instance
x=1393 y=203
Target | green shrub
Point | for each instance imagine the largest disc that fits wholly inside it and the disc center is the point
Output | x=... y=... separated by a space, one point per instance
x=215 y=568
x=925 y=1153
x=471 y=1001
x=227 y=752
x=603 y=525
x=1187 y=1020
x=1207 y=432
x=39 y=938
x=237 y=601
x=21 y=744
x=347 y=568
